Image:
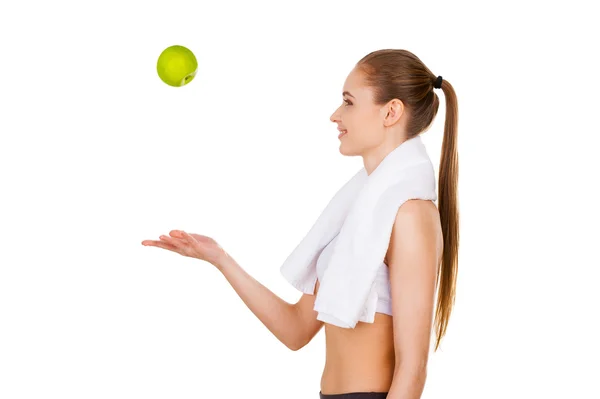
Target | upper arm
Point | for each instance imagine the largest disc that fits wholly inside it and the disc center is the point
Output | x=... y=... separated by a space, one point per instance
x=308 y=317
x=413 y=258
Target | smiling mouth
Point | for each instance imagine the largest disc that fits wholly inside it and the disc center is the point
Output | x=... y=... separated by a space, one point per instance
x=343 y=132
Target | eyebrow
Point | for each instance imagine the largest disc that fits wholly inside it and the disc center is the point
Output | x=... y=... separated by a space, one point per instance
x=348 y=93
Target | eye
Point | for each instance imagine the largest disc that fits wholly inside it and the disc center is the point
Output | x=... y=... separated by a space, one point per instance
x=347 y=102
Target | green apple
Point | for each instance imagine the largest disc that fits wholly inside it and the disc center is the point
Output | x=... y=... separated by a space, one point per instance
x=177 y=66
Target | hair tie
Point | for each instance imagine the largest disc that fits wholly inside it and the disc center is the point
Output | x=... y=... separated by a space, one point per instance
x=438 y=83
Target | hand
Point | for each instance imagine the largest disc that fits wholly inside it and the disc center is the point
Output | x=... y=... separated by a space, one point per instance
x=191 y=245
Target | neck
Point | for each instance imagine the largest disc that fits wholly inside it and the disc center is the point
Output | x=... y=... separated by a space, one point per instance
x=373 y=158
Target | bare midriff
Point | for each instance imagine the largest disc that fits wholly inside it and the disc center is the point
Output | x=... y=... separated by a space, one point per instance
x=359 y=359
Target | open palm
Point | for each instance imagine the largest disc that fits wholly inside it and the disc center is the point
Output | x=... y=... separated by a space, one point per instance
x=189 y=244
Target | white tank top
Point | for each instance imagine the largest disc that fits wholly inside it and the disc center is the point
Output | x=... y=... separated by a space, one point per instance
x=382 y=280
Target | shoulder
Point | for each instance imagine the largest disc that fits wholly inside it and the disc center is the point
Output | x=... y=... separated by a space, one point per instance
x=416 y=210
x=417 y=222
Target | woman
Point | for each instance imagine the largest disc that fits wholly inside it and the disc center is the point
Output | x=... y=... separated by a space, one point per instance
x=388 y=98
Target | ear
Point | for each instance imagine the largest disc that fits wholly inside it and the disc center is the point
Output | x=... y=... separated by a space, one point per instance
x=394 y=110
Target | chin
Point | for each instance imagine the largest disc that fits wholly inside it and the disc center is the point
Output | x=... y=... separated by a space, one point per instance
x=347 y=152
x=342 y=149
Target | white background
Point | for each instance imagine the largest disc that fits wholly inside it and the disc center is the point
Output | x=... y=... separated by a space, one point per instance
x=97 y=155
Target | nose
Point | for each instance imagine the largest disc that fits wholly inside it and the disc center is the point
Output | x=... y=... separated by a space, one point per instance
x=334 y=118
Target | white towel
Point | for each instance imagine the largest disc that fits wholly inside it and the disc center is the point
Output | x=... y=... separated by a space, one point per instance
x=363 y=212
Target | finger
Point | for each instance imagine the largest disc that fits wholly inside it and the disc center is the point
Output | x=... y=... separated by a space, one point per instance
x=184 y=237
x=159 y=244
x=176 y=242
x=187 y=237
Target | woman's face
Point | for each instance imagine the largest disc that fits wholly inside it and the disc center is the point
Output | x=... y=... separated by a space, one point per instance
x=359 y=117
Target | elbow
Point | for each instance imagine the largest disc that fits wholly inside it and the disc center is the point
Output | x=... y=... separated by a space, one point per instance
x=291 y=346
x=295 y=346
x=417 y=367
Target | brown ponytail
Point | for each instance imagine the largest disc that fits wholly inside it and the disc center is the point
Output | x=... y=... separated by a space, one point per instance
x=394 y=73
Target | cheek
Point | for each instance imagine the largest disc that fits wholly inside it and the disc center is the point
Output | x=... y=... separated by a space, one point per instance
x=355 y=120
x=352 y=118
x=362 y=130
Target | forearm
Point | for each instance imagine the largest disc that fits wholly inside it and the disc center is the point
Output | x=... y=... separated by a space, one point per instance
x=279 y=316
x=407 y=384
